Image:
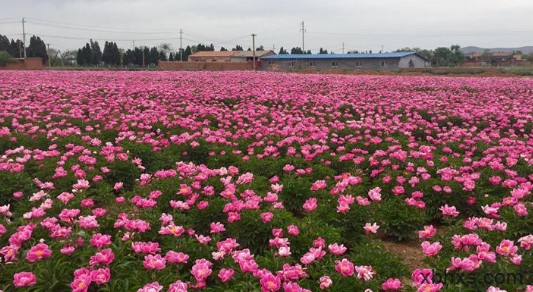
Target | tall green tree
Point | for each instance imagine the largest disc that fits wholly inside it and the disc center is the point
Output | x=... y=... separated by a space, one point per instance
x=106 y=55
x=129 y=58
x=87 y=55
x=186 y=53
x=297 y=50
x=4 y=44
x=458 y=56
x=79 y=57
x=96 y=53
x=146 y=57
x=153 y=57
x=116 y=54
x=37 y=48
x=69 y=57
x=282 y=51
x=162 y=56
x=15 y=48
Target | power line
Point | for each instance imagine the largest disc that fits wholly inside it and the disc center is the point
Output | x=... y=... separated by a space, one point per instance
x=118 y=40
x=102 y=39
x=97 y=29
x=92 y=28
x=50 y=22
x=422 y=34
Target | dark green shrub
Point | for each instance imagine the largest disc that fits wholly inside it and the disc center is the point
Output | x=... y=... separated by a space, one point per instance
x=399 y=221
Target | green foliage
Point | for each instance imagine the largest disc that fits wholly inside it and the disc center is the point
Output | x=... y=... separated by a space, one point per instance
x=448 y=57
x=399 y=221
x=253 y=233
x=5 y=58
x=14 y=182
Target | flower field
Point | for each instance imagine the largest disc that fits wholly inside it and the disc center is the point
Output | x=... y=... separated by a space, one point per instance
x=160 y=181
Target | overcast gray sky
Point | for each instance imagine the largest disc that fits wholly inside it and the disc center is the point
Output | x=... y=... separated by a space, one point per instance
x=360 y=25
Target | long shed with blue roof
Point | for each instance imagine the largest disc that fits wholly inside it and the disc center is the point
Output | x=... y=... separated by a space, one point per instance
x=385 y=61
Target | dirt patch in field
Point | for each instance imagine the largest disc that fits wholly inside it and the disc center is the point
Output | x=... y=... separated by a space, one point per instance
x=410 y=252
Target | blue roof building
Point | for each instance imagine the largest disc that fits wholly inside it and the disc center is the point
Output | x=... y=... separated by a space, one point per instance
x=385 y=61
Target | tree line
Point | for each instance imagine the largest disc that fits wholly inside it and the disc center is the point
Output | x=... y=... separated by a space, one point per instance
x=441 y=56
x=36 y=48
x=91 y=54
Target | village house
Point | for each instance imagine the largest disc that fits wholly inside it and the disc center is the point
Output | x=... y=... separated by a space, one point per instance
x=227 y=56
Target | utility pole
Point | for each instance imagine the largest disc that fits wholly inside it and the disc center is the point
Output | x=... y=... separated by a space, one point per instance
x=343 y=48
x=24 y=36
x=60 y=56
x=253 y=48
x=49 y=56
x=133 y=44
x=142 y=48
x=181 y=45
x=382 y=49
x=303 y=36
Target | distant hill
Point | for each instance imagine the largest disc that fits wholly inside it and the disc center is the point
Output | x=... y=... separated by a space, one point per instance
x=472 y=49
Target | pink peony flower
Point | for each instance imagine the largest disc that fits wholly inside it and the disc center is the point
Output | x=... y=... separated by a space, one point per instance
x=428 y=232
x=337 y=249
x=154 y=262
x=310 y=205
x=345 y=267
x=151 y=287
x=293 y=230
x=431 y=249
x=217 y=227
x=449 y=211
x=392 y=284
x=98 y=240
x=24 y=279
x=375 y=194
x=225 y=275
x=270 y=282
x=371 y=228
x=176 y=257
x=201 y=270
x=178 y=286
x=364 y=272
x=284 y=251
x=266 y=216
x=104 y=257
x=325 y=282
x=100 y=276
x=318 y=185
x=506 y=248
x=39 y=251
